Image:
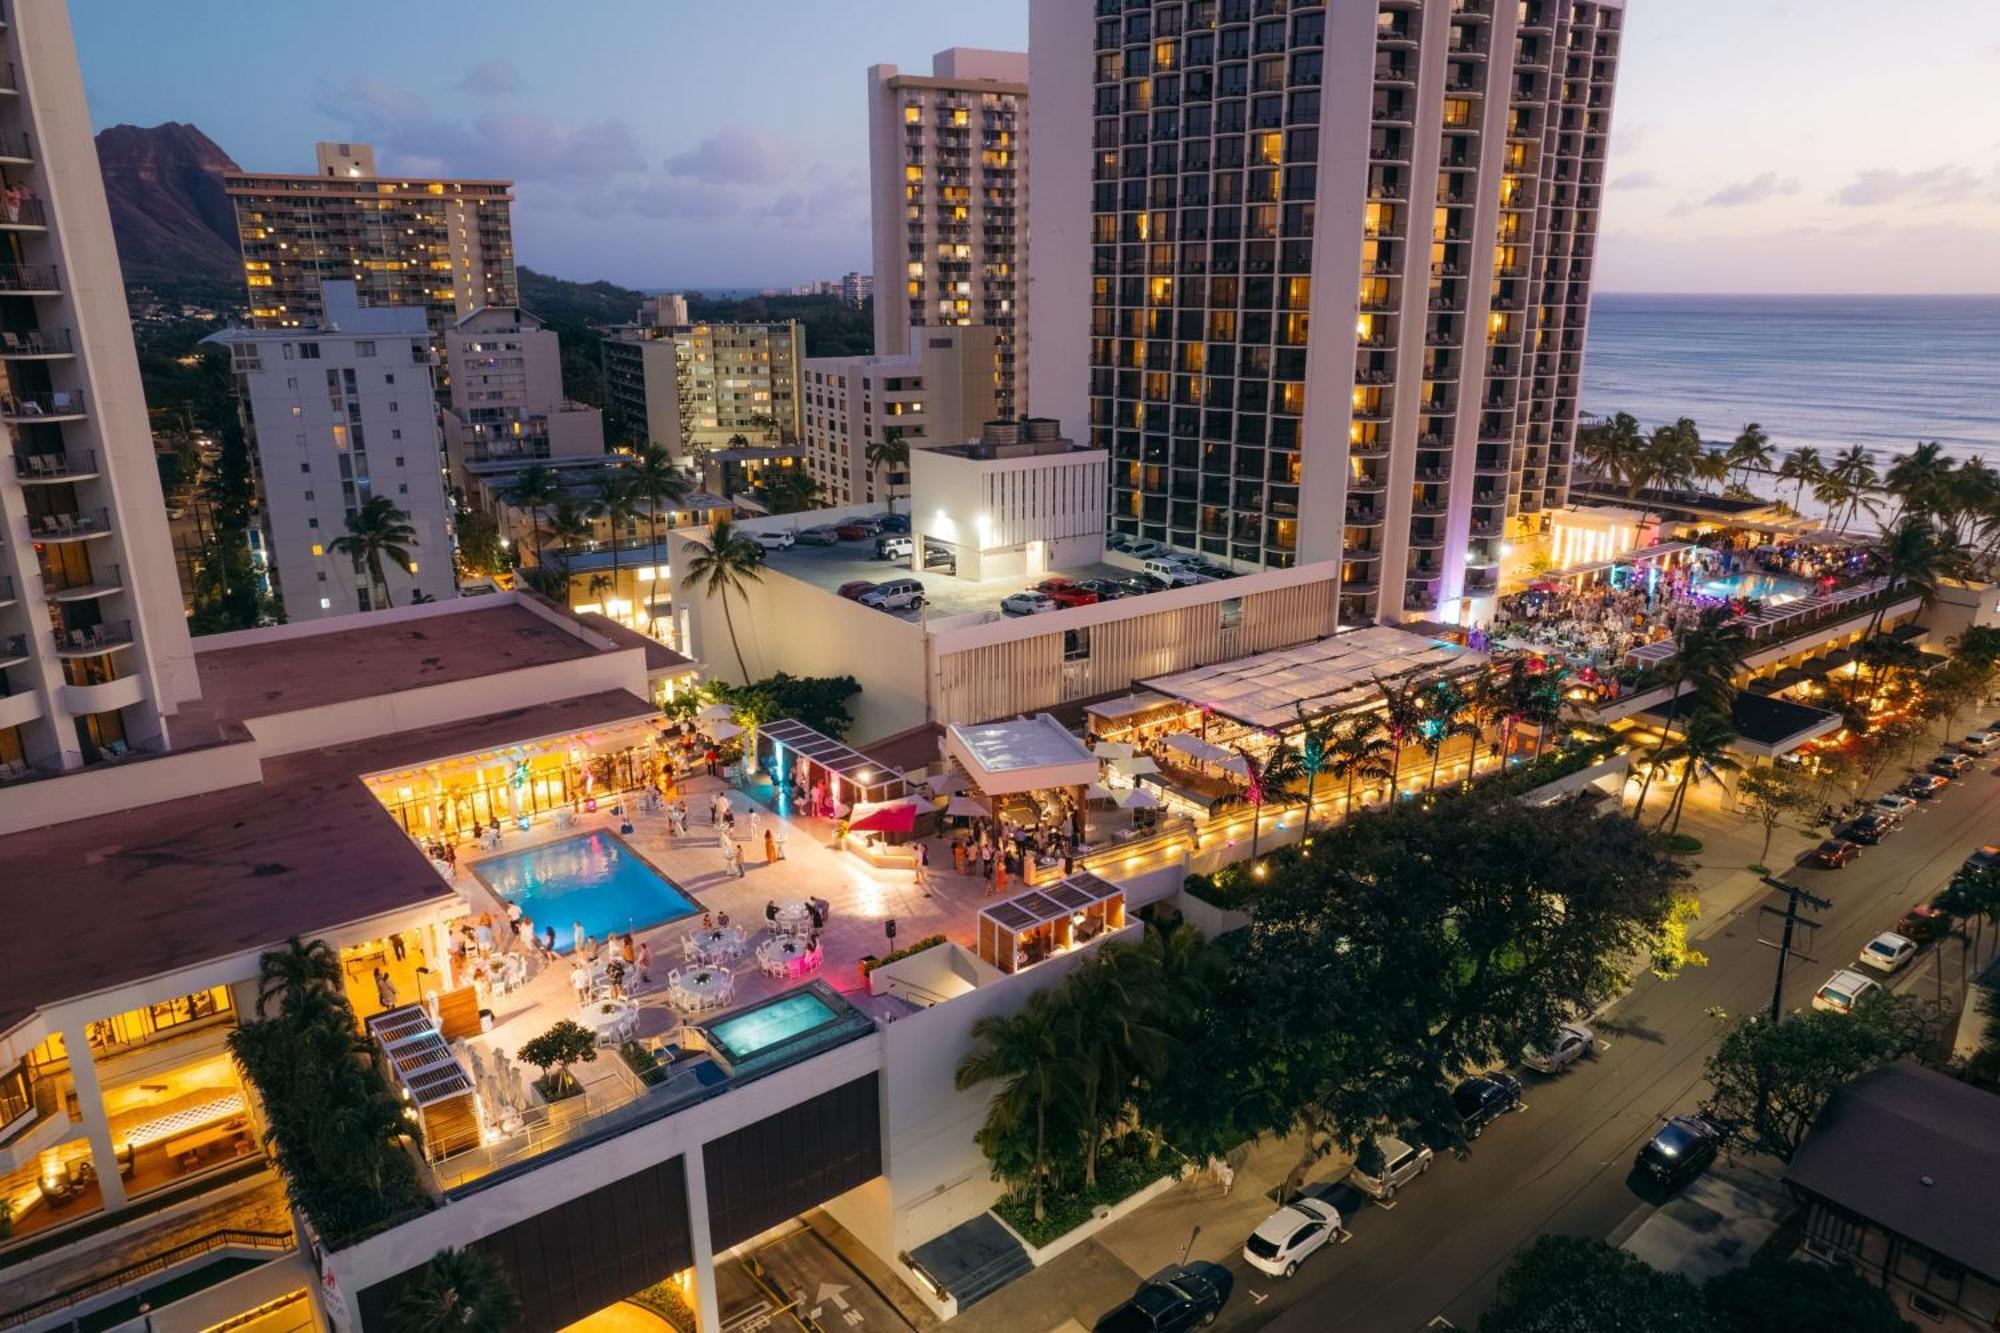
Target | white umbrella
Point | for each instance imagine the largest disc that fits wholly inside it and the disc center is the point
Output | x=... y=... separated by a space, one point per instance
x=1097 y=791
x=1135 y=766
x=725 y=731
x=716 y=713
x=1112 y=750
x=1139 y=799
x=952 y=783
x=1238 y=765
x=969 y=805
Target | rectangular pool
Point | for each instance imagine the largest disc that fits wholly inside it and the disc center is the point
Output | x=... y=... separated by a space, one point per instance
x=741 y=1036
x=1770 y=589
x=594 y=880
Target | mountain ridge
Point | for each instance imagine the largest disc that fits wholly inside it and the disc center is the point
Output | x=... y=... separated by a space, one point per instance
x=169 y=211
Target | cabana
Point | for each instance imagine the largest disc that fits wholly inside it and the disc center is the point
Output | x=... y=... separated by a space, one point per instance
x=802 y=761
x=1020 y=755
x=1135 y=715
x=430 y=1077
x=1068 y=914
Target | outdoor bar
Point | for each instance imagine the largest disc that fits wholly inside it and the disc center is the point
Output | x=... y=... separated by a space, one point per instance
x=814 y=774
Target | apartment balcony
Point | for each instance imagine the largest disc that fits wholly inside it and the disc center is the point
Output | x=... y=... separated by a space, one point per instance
x=24 y=215
x=53 y=466
x=77 y=527
x=15 y=149
x=1363 y=518
x=29 y=279
x=1367 y=484
x=35 y=345
x=93 y=640
x=1375 y=412
x=8 y=596
x=104 y=581
x=9 y=84
x=13 y=650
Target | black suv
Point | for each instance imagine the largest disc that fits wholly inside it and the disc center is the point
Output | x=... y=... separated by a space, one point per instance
x=1480 y=1100
x=1170 y=1303
x=1682 y=1149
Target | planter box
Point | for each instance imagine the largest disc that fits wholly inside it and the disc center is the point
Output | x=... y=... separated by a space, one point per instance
x=1083 y=1231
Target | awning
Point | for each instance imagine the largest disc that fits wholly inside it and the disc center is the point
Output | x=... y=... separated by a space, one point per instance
x=1112 y=750
x=1136 y=766
x=716 y=713
x=724 y=731
x=898 y=818
x=1139 y=799
x=970 y=806
x=1194 y=747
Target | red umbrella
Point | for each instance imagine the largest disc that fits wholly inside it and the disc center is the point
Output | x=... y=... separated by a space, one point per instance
x=899 y=818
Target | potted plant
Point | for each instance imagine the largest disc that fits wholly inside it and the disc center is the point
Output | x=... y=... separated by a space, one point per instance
x=564 y=1044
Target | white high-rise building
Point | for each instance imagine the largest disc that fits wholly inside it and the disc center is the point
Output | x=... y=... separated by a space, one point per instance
x=940 y=392
x=1318 y=275
x=948 y=193
x=507 y=405
x=336 y=413
x=94 y=649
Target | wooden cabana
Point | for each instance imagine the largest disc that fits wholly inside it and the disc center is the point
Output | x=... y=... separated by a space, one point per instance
x=1029 y=927
x=430 y=1078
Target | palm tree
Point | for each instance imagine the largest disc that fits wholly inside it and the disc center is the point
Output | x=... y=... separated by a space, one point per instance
x=1109 y=1006
x=534 y=489
x=1444 y=705
x=1702 y=752
x=377 y=529
x=788 y=490
x=1362 y=749
x=891 y=453
x=298 y=976
x=656 y=482
x=722 y=565
x=1264 y=780
x=1316 y=738
x=1026 y=1053
x=614 y=501
x=1402 y=710
x=1703 y=670
x=1609 y=447
x=1802 y=467
x=1669 y=457
x=1920 y=480
x=571 y=526
x=1751 y=451
x=1712 y=467
x=458 y=1291
x=1856 y=482
x=1916 y=555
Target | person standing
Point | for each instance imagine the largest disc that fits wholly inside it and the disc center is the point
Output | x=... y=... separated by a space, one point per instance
x=645 y=963
x=385 y=989
x=577 y=937
x=770 y=848
x=923 y=877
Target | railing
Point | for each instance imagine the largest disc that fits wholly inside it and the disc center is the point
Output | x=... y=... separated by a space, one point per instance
x=35 y=342
x=93 y=638
x=23 y=213
x=29 y=278
x=6 y=588
x=41 y=403
x=57 y=526
x=7 y=81
x=14 y=143
x=226 y=1238
x=13 y=647
x=55 y=465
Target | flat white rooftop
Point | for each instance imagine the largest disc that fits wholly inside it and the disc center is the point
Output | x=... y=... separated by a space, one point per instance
x=1024 y=754
x=1336 y=672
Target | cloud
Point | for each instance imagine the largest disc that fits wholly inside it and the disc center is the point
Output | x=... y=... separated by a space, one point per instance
x=1947 y=184
x=522 y=146
x=1636 y=180
x=672 y=200
x=824 y=196
x=493 y=78
x=735 y=156
x=1756 y=190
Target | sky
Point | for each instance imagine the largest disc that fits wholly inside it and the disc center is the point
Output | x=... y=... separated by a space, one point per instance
x=1757 y=145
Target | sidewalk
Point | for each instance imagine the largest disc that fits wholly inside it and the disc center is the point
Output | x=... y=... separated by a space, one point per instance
x=1717 y=1223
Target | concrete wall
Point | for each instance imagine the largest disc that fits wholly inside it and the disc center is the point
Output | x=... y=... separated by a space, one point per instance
x=106 y=789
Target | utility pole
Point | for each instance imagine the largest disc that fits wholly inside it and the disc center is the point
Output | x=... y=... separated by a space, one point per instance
x=1794 y=895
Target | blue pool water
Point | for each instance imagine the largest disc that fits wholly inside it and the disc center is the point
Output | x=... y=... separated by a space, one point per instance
x=1770 y=589
x=594 y=879
x=744 y=1035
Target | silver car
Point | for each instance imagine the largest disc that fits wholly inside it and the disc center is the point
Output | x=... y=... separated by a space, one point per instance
x=1401 y=1164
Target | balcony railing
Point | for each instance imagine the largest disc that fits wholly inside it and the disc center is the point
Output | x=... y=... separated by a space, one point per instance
x=91 y=639
x=41 y=403
x=35 y=342
x=14 y=145
x=13 y=648
x=23 y=213
x=63 y=465
x=103 y=580
x=58 y=527
x=29 y=278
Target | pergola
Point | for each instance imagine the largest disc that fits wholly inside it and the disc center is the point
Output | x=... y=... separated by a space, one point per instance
x=1117 y=718
x=1029 y=927
x=431 y=1078
x=857 y=779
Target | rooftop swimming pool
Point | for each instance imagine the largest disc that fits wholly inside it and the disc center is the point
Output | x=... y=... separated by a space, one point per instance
x=787 y=1024
x=593 y=880
x=1770 y=589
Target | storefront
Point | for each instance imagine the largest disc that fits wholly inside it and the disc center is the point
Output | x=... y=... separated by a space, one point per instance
x=816 y=776
x=456 y=797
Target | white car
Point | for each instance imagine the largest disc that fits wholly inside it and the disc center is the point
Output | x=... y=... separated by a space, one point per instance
x=1888 y=951
x=1895 y=805
x=1843 y=990
x=1981 y=742
x=1571 y=1043
x=1143 y=548
x=1401 y=1164
x=774 y=541
x=1028 y=604
x=1289 y=1235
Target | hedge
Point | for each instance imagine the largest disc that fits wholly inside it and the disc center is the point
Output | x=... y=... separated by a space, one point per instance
x=927 y=942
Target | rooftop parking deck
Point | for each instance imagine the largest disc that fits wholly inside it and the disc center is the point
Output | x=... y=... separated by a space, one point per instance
x=828 y=567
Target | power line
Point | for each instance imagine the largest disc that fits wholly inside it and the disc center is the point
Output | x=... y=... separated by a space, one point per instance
x=1794 y=895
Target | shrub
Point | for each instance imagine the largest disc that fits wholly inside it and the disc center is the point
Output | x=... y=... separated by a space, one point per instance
x=927 y=942
x=564 y=1044
x=1120 y=1175
x=665 y=1300
x=642 y=1062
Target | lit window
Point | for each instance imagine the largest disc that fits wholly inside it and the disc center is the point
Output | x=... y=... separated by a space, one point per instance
x=318 y=549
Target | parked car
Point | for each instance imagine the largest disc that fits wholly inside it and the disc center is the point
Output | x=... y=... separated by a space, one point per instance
x=1167 y=1304
x=1481 y=1100
x=1119 y=541
x=1834 y=853
x=1888 y=952
x=1843 y=990
x=819 y=536
x=895 y=595
x=1896 y=805
x=855 y=530
x=1401 y=1164
x=1924 y=786
x=1924 y=923
x=893 y=546
x=1108 y=590
x=1951 y=764
x=1171 y=573
x=1866 y=829
x=1284 y=1239
x=1145 y=548
x=855 y=589
x=1572 y=1041
x=893 y=523
x=1984 y=857
x=774 y=541
x=1682 y=1150
x=1981 y=742
x=940 y=557
x=1028 y=604
x=1064 y=592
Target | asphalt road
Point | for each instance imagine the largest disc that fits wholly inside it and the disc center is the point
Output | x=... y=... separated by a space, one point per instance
x=1562 y=1165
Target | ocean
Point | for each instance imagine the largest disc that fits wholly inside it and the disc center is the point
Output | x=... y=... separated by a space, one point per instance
x=1830 y=371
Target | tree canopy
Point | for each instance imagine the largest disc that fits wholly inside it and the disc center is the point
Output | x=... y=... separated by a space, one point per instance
x=1571 y=1284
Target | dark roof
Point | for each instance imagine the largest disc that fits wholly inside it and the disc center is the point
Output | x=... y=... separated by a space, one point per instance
x=1761 y=719
x=1915 y=1152
x=659 y=657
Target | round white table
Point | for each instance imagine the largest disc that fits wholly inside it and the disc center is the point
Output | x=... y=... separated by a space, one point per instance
x=793 y=918
x=701 y=987
x=723 y=944
x=609 y=1019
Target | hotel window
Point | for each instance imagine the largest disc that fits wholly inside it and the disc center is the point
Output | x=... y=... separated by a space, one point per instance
x=136 y=1025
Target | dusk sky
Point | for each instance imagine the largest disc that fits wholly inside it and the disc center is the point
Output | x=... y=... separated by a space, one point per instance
x=1758 y=145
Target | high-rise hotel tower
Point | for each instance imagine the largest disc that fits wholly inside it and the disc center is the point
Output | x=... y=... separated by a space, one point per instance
x=1317 y=274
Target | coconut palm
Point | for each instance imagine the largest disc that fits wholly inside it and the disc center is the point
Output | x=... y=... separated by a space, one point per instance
x=1802 y=467
x=614 y=500
x=299 y=976
x=788 y=490
x=1913 y=555
x=1109 y=1007
x=458 y=1291
x=1361 y=749
x=1445 y=715
x=1711 y=467
x=1026 y=1053
x=377 y=529
x=534 y=489
x=1703 y=753
x=1854 y=482
x=1703 y=672
x=656 y=482
x=1920 y=481
x=1402 y=710
x=1751 y=451
x=725 y=564
x=1266 y=779
x=1610 y=447
x=889 y=454
x=1670 y=457
x=570 y=524
x=1316 y=739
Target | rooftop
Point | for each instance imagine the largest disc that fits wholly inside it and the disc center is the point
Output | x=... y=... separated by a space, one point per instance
x=1916 y=1152
x=165 y=886
x=828 y=567
x=1339 y=671
x=277 y=675
x=1021 y=755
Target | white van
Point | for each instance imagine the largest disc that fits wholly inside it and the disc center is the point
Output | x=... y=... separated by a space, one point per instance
x=1171 y=572
x=895 y=595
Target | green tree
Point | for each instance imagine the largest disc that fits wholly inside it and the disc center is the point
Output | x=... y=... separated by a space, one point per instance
x=1772 y=793
x=818 y=701
x=1316 y=754
x=888 y=454
x=458 y=1291
x=478 y=543
x=1402 y=711
x=1771 y=1080
x=1036 y=1105
x=657 y=484
x=728 y=562
x=300 y=977
x=1445 y=709
x=614 y=500
x=1264 y=779
x=1110 y=1005
x=1361 y=749
x=1802 y=467
x=533 y=490
x=1577 y=1284
x=1775 y=1295
x=1702 y=672
x=1703 y=752
x=788 y=490
x=565 y=1043
x=570 y=524
x=1853 y=481
x=1751 y=451
x=1913 y=555
x=1611 y=448
x=1921 y=482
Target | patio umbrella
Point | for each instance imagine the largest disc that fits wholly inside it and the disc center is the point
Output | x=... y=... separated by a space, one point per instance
x=716 y=713
x=969 y=805
x=1135 y=766
x=1097 y=791
x=724 y=731
x=1139 y=799
x=898 y=818
x=947 y=784
x=1112 y=750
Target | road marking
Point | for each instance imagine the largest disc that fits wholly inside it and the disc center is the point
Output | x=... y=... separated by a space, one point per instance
x=1258 y=1296
x=1383 y=1203
x=831 y=1291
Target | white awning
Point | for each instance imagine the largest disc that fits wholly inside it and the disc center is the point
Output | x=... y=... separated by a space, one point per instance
x=1025 y=754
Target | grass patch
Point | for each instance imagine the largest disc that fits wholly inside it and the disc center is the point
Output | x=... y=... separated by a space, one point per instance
x=1119 y=1177
x=1684 y=843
